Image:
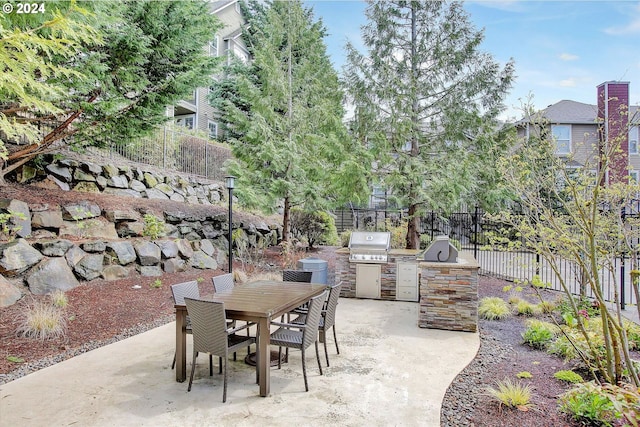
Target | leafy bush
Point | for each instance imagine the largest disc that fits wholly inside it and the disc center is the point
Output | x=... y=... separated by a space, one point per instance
x=605 y=405
x=524 y=374
x=568 y=376
x=572 y=341
x=154 y=227
x=512 y=395
x=42 y=320
x=493 y=308
x=345 y=236
x=317 y=227
x=538 y=333
x=590 y=307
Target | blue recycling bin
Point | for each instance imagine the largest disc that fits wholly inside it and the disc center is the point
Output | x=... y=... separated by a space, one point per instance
x=317 y=266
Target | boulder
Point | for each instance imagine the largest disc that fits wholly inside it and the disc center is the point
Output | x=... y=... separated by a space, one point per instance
x=80 y=175
x=150 y=180
x=20 y=219
x=169 y=248
x=17 y=256
x=177 y=197
x=90 y=267
x=61 y=172
x=54 y=183
x=118 y=181
x=110 y=170
x=130 y=229
x=117 y=215
x=174 y=265
x=95 y=246
x=47 y=219
x=81 y=210
x=202 y=261
x=91 y=168
x=96 y=228
x=126 y=192
x=57 y=247
x=165 y=188
x=123 y=251
x=184 y=248
x=148 y=253
x=207 y=247
x=136 y=185
x=150 y=270
x=9 y=294
x=51 y=274
x=152 y=193
x=74 y=255
x=86 y=187
x=114 y=272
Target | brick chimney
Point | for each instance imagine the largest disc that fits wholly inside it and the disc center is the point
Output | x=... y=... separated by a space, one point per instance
x=613 y=115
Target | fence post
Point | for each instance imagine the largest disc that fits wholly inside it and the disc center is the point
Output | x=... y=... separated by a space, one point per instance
x=622 y=272
x=164 y=149
x=476 y=232
x=206 y=159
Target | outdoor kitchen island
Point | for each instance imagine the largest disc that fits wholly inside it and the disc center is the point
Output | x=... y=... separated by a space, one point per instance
x=447 y=290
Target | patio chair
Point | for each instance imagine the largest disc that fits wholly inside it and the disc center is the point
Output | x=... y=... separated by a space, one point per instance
x=211 y=335
x=225 y=282
x=179 y=292
x=296 y=276
x=328 y=318
x=300 y=336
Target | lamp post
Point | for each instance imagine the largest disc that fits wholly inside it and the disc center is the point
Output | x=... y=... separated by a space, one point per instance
x=229 y=182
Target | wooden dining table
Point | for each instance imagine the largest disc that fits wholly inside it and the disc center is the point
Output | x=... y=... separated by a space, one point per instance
x=259 y=302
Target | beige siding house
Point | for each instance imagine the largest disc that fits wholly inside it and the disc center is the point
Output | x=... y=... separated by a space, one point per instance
x=579 y=128
x=196 y=112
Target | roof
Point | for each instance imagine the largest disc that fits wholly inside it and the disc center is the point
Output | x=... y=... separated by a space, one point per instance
x=221 y=4
x=572 y=112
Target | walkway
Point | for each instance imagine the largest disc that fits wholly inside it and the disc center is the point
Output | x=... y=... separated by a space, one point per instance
x=389 y=372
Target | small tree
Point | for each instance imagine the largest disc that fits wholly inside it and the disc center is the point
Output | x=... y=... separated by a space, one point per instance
x=315 y=227
x=567 y=214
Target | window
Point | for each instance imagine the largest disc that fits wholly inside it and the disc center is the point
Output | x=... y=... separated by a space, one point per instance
x=213 y=47
x=633 y=140
x=186 y=121
x=213 y=129
x=562 y=137
x=633 y=175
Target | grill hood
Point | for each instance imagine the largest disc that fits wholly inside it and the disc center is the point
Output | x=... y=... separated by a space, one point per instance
x=370 y=241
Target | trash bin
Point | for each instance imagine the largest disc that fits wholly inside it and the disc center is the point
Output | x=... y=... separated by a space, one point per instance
x=317 y=266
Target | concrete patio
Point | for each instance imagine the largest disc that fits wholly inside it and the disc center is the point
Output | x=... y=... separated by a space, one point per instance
x=388 y=372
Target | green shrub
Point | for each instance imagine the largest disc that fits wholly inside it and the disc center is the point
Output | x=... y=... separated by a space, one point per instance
x=583 y=304
x=524 y=374
x=546 y=307
x=316 y=227
x=568 y=376
x=603 y=405
x=538 y=333
x=493 y=308
x=537 y=282
x=512 y=395
x=345 y=236
x=633 y=334
x=42 y=320
x=525 y=308
x=154 y=227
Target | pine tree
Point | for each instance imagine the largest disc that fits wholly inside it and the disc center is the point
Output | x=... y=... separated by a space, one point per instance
x=111 y=71
x=424 y=95
x=284 y=117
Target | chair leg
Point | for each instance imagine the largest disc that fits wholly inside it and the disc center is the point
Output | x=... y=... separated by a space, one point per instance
x=326 y=355
x=193 y=368
x=224 y=387
x=279 y=357
x=335 y=339
x=318 y=358
x=173 y=364
x=304 y=372
x=210 y=365
x=219 y=365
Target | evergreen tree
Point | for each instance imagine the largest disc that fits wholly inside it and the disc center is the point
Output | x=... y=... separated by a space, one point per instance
x=425 y=98
x=284 y=114
x=145 y=55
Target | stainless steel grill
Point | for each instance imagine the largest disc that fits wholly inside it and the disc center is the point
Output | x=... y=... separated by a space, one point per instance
x=369 y=246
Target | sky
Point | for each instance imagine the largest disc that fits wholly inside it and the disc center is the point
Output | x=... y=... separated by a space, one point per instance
x=562 y=49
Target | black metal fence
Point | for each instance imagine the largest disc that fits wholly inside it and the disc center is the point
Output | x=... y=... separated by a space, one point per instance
x=472 y=230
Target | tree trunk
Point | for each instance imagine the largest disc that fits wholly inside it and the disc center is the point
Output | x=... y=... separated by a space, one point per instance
x=285 y=219
x=413 y=235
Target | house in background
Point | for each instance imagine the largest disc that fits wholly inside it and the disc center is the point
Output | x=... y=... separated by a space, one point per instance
x=196 y=112
x=579 y=129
